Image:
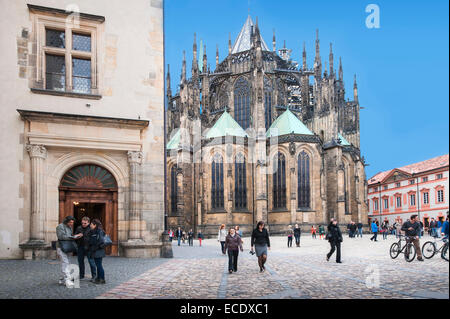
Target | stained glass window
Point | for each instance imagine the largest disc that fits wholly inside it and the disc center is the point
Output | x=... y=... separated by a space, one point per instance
x=55 y=38
x=88 y=176
x=81 y=79
x=217 y=189
x=279 y=182
x=55 y=72
x=81 y=42
x=240 y=186
x=174 y=189
x=304 y=189
x=242 y=111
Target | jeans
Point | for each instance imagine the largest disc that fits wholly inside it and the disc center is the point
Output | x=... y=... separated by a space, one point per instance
x=297 y=240
x=360 y=232
x=385 y=234
x=191 y=241
x=233 y=259
x=314 y=235
x=222 y=243
x=100 y=270
x=289 y=241
x=335 y=246
x=179 y=241
x=81 y=253
x=374 y=237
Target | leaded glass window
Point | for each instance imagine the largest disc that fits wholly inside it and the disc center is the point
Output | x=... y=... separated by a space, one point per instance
x=81 y=78
x=304 y=188
x=217 y=188
x=81 y=42
x=55 y=72
x=240 y=180
x=88 y=176
x=55 y=38
x=268 y=93
x=242 y=111
x=173 y=189
x=279 y=182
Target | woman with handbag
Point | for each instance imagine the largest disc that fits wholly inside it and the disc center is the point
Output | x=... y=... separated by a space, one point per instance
x=97 y=249
x=260 y=240
x=334 y=236
x=66 y=244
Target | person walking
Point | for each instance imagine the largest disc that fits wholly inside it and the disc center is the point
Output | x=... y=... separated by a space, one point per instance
x=83 y=246
x=64 y=234
x=170 y=235
x=359 y=226
x=439 y=227
x=179 y=234
x=313 y=232
x=221 y=237
x=421 y=229
x=384 y=229
x=97 y=249
x=238 y=231
x=321 y=232
x=297 y=235
x=334 y=236
x=261 y=242
x=374 y=228
x=445 y=228
x=200 y=237
x=289 y=234
x=191 y=237
x=352 y=229
x=233 y=243
x=412 y=230
x=433 y=228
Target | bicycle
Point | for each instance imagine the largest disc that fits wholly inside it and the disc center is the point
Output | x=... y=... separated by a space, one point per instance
x=429 y=249
x=396 y=249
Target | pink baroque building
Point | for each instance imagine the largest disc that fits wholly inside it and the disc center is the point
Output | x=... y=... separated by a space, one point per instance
x=420 y=188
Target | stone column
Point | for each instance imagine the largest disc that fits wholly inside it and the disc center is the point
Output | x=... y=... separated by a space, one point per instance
x=135 y=212
x=38 y=154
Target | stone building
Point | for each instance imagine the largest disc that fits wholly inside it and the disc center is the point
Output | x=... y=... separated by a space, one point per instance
x=82 y=95
x=262 y=138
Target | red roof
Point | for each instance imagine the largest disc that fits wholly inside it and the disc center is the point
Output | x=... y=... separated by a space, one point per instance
x=416 y=168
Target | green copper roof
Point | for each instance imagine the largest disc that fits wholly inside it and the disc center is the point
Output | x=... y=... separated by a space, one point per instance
x=287 y=123
x=224 y=126
x=175 y=141
x=344 y=141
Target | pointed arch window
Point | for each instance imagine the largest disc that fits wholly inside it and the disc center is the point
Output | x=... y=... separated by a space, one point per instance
x=240 y=182
x=217 y=195
x=173 y=189
x=304 y=182
x=242 y=109
x=279 y=181
x=268 y=96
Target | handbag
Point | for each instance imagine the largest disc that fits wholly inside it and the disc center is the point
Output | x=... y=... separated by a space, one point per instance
x=68 y=246
x=328 y=236
x=107 y=240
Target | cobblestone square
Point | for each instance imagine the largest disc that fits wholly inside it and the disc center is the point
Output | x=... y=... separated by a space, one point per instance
x=202 y=273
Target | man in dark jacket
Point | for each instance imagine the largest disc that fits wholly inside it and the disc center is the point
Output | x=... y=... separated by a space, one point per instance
x=360 y=230
x=412 y=230
x=178 y=235
x=297 y=234
x=433 y=227
x=83 y=245
x=334 y=236
x=352 y=229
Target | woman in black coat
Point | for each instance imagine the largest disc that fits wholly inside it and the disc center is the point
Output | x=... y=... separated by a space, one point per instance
x=260 y=240
x=96 y=249
x=334 y=236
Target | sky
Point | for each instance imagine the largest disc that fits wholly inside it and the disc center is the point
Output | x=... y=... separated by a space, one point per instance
x=402 y=67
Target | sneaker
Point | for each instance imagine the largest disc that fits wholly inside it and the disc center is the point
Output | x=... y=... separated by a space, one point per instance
x=102 y=281
x=93 y=280
x=339 y=262
x=328 y=258
x=97 y=281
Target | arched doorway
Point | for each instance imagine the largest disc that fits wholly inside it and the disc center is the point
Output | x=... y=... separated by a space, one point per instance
x=91 y=190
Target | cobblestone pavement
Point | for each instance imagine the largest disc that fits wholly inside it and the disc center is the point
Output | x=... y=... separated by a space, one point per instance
x=367 y=272
x=202 y=273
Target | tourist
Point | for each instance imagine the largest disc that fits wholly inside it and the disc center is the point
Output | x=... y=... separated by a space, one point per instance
x=183 y=237
x=421 y=229
x=260 y=240
x=238 y=231
x=334 y=236
x=97 y=249
x=439 y=228
x=352 y=229
x=66 y=243
x=297 y=235
x=359 y=226
x=191 y=237
x=412 y=230
x=83 y=245
x=179 y=234
x=170 y=235
x=221 y=237
x=313 y=231
x=445 y=227
x=321 y=232
x=233 y=244
x=394 y=228
x=374 y=228
x=289 y=234
x=385 y=229
x=200 y=237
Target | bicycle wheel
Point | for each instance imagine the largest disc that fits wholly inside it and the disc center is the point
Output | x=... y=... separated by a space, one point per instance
x=428 y=250
x=410 y=252
x=444 y=253
x=394 y=251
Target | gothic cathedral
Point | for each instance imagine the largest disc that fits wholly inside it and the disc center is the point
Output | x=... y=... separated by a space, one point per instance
x=261 y=138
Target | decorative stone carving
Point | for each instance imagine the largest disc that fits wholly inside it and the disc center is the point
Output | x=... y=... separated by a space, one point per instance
x=37 y=151
x=135 y=157
x=292 y=148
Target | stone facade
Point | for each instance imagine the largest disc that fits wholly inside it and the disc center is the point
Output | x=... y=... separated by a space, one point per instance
x=115 y=125
x=271 y=84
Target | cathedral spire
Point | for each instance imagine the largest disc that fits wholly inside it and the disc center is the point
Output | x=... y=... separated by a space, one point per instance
x=355 y=91
x=205 y=60
x=304 y=56
x=274 y=42
x=169 y=91
x=183 y=69
x=229 y=44
x=217 y=56
x=194 y=60
x=318 y=60
x=341 y=72
x=331 y=59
